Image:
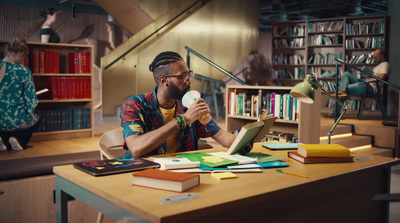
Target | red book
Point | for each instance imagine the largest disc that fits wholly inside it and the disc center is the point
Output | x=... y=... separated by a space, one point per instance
x=73 y=63
x=166 y=180
x=49 y=61
x=296 y=156
x=51 y=83
x=26 y=62
x=42 y=62
x=35 y=62
x=56 y=62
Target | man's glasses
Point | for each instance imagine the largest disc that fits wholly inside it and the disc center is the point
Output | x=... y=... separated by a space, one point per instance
x=188 y=75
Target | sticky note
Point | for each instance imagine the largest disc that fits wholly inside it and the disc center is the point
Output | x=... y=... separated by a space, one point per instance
x=223 y=176
x=213 y=159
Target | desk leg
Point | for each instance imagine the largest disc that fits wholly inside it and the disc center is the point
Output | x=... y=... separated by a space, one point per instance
x=111 y=210
x=61 y=205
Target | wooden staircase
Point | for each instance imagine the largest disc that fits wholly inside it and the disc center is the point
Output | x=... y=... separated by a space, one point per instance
x=361 y=136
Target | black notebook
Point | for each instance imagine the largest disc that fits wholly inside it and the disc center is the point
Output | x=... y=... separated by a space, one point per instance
x=106 y=167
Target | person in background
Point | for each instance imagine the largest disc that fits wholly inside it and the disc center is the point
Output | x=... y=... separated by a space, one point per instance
x=351 y=85
x=157 y=122
x=18 y=98
x=47 y=34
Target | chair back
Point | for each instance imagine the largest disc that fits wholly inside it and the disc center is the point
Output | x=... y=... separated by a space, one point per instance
x=110 y=140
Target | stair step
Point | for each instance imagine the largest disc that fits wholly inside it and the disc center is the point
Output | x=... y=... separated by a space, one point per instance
x=340 y=129
x=351 y=141
x=385 y=136
x=375 y=151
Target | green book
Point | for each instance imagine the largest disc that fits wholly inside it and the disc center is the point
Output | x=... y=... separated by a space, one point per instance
x=262 y=158
x=209 y=160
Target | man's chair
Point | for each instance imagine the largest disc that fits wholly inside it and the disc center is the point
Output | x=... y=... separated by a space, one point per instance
x=110 y=147
x=375 y=96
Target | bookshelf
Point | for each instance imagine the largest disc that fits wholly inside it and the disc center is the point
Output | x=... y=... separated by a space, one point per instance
x=305 y=127
x=353 y=39
x=66 y=110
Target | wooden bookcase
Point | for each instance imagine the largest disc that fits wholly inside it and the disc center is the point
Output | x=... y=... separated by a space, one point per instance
x=343 y=32
x=57 y=108
x=349 y=38
x=306 y=128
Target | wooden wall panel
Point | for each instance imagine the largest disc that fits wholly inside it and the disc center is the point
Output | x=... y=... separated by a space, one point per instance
x=223 y=31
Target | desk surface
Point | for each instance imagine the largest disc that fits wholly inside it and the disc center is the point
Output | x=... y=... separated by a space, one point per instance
x=213 y=193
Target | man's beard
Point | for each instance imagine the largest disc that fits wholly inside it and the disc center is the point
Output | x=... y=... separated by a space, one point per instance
x=174 y=91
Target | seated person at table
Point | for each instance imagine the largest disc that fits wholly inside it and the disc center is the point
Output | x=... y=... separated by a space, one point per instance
x=157 y=122
x=351 y=85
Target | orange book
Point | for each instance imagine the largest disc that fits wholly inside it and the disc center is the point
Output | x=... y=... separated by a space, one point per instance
x=296 y=156
x=323 y=150
x=165 y=180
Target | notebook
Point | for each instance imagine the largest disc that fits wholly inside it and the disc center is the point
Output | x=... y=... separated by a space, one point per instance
x=113 y=166
x=281 y=146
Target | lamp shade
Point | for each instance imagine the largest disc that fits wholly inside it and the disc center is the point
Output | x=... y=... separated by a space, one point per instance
x=303 y=92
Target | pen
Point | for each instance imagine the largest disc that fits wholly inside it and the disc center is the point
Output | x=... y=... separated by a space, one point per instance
x=291 y=173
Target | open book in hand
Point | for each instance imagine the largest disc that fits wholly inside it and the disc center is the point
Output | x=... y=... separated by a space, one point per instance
x=250 y=133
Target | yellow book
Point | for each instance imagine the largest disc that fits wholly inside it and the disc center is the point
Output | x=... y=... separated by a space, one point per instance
x=323 y=150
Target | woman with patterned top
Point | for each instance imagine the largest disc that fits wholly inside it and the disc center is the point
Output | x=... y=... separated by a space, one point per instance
x=47 y=34
x=18 y=98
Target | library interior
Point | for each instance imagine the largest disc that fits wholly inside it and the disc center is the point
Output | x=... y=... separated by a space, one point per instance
x=308 y=90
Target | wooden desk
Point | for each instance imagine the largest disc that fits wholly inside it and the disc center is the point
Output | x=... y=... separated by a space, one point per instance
x=332 y=193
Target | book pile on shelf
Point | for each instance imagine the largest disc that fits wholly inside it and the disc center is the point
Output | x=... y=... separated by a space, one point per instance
x=321 y=153
x=79 y=62
x=289 y=31
x=63 y=119
x=248 y=104
x=69 y=87
x=352 y=104
x=322 y=73
x=279 y=136
x=288 y=59
x=325 y=58
x=45 y=62
x=318 y=40
x=328 y=85
x=325 y=26
x=365 y=28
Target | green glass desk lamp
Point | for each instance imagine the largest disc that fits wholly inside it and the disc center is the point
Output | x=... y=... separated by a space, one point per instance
x=305 y=92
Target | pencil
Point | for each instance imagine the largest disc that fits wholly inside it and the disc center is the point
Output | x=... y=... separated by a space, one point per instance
x=291 y=173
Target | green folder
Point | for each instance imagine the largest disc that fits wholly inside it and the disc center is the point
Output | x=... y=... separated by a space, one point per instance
x=200 y=157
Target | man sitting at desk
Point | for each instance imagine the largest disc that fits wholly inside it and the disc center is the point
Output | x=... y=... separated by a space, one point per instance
x=157 y=122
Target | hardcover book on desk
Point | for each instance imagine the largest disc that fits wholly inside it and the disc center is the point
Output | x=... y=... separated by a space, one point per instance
x=166 y=180
x=298 y=157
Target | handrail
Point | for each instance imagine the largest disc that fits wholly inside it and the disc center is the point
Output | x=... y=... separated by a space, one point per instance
x=244 y=70
x=214 y=65
x=153 y=33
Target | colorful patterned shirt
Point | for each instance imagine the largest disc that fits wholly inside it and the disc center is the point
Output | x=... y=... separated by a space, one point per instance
x=140 y=114
x=18 y=98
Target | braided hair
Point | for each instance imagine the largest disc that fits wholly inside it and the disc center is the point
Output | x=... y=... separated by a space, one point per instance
x=160 y=67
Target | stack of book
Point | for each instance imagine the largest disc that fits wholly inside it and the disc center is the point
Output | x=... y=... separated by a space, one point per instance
x=321 y=153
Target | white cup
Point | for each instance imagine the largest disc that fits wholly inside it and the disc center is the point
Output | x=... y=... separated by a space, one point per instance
x=189 y=98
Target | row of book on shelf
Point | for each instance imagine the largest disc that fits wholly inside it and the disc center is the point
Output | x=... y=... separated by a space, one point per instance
x=354 y=104
x=288 y=59
x=365 y=28
x=317 y=40
x=299 y=72
x=324 y=58
x=362 y=58
x=370 y=42
x=69 y=87
x=246 y=103
x=297 y=30
x=63 y=119
x=325 y=26
x=48 y=62
x=282 y=43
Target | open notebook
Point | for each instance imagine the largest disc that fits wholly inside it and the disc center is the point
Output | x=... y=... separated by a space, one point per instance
x=253 y=132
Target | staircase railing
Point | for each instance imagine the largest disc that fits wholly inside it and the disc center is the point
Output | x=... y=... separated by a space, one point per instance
x=152 y=34
x=189 y=50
